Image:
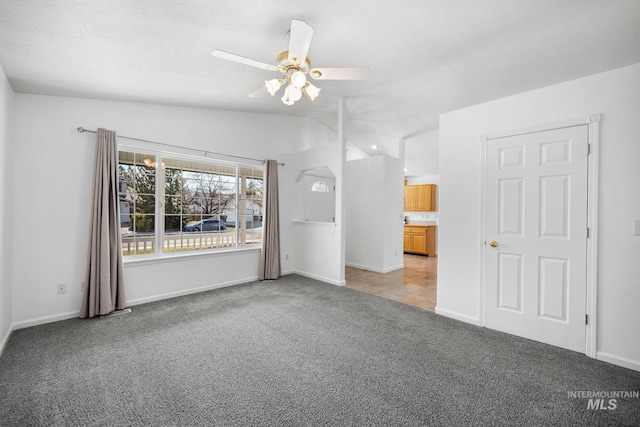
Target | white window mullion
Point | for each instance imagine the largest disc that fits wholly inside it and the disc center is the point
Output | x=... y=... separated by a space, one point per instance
x=237 y=207
x=159 y=230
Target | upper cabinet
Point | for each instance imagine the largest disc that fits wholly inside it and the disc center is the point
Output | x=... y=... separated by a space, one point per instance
x=410 y=198
x=420 y=197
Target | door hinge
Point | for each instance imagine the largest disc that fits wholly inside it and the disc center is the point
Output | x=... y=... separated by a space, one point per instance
x=588 y=232
x=588 y=149
x=586 y=319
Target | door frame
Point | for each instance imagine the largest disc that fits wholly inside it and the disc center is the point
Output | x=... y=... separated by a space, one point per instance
x=593 y=123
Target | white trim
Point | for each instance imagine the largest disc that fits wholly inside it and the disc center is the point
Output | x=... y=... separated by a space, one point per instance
x=374 y=269
x=149 y=147
x=579 y=121
x=137 y=301
x=45 y=319
x=5 y=338
x=135 y=260
x=592 y=241
x=316 y=224
x=457 y=316
x=169 y=295
x=593 y=123
x=483 y=229
x=618 y=360
x=321 y=278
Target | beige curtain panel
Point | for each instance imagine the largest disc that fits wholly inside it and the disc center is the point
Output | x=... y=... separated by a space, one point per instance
x=104 y=291
x=270 y=253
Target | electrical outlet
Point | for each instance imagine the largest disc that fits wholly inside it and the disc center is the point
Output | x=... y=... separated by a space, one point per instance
x=286 y=256
x=62 y=288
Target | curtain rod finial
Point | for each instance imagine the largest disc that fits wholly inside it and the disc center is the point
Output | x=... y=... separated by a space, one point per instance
x=80 y=129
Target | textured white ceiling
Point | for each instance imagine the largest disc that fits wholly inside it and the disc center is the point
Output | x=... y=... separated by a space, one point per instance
x=426 y=57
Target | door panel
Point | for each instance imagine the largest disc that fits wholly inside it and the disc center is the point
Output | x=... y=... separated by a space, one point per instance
x=510 y=282
x=536 y=218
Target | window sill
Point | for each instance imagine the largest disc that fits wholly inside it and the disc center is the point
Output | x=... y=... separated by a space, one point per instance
x=315 y=224
x=163 y=258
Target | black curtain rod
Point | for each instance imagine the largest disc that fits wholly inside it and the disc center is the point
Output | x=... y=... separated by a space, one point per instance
x=81 y=130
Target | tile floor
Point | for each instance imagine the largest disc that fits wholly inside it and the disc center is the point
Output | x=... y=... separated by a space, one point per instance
x=415 y=284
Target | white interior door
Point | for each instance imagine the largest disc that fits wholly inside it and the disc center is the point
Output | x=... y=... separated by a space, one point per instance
x=536 y=236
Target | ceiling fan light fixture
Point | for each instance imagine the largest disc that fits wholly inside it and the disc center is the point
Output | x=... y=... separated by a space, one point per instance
x=312 y=91
x=298 y=79
x=295 y=67
x=291 y=95
x=273 y=85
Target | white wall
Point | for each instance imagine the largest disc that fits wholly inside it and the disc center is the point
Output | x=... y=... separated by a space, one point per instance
x=614 y=94
x=393 y=214
x=52 y=164
x=7 y=99
x=373 y=209
x=310 y=249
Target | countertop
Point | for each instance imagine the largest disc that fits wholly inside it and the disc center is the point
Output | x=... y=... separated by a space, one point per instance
x=423 y=223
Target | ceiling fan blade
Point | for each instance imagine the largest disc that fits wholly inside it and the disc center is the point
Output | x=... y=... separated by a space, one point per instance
x=299 y=41
x=258 y=93
x=340 y=73
x=243 y=60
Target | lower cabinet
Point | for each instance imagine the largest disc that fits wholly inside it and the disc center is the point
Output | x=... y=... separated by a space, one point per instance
x=420 y=239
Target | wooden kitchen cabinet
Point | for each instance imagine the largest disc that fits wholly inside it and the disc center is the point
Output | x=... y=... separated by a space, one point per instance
x=426 y=198
x=420 y=197
x=420 y=239
x=410 y=198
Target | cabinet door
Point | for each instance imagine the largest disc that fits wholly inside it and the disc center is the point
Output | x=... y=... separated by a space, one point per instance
x=425 y=197
x=410 y=198
x=431 y=241
x=419 y=243
x=407 y=242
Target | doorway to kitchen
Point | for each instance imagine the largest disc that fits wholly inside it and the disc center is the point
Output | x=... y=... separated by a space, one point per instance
x=415 y=284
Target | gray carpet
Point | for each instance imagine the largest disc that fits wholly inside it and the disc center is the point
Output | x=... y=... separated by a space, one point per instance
x=295 y=352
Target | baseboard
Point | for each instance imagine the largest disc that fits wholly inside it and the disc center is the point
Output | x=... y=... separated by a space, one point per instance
x=5 y=339
x=374 y=269
x=176 y=294
x=458 y=316
x=617 y=360
x=321 y=278
x=138 y=301
x=45 y=319
x=393 y=268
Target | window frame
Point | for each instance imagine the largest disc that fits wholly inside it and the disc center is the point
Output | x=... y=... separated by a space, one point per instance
x=158 y=253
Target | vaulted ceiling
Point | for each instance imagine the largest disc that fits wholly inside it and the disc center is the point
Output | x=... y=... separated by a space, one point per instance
x=426 y=57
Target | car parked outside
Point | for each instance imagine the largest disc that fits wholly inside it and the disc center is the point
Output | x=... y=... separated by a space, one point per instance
x=205 y=225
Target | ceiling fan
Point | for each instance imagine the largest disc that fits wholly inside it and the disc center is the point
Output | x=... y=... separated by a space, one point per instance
x=295 y=67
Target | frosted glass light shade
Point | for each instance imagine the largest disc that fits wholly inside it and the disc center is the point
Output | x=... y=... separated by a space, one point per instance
x=273 y=85
x=298 y=79
x=312 y=91
x=291 y=95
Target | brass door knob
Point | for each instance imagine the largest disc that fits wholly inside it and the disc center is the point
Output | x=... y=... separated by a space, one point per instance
x=493 y=244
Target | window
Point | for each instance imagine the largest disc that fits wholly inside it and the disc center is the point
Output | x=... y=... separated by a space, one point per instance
x=320 y=187
x=174 y=204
